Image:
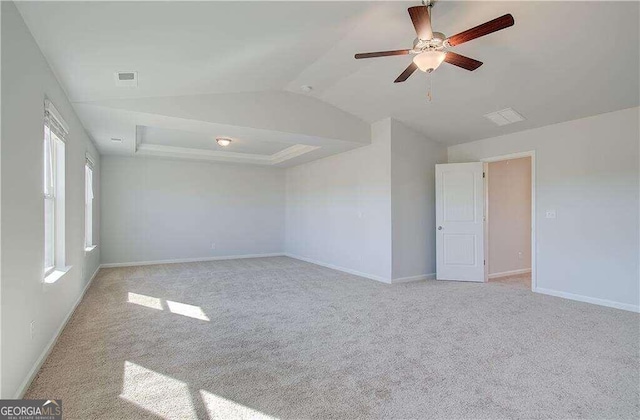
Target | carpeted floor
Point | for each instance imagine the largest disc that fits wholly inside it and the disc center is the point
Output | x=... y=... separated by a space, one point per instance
x=522 y=281
x=277 y=337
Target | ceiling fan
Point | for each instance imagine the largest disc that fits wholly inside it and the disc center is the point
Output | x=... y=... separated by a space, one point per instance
x=431 y=48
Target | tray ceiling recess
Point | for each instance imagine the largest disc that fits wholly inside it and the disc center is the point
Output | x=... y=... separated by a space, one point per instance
x=162 y=142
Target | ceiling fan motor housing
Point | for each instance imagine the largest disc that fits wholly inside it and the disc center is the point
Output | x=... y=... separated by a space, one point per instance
x=434 y=44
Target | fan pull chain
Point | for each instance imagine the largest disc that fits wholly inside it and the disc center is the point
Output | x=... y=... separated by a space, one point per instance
x=429 y=86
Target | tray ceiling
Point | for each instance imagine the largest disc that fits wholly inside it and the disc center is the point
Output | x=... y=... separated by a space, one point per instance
x=208 y=67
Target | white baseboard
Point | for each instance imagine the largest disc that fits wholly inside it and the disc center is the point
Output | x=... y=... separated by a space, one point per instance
x=343 y=269
x=47 y=350
x=587 y=299
x=509 y=273
x=430 y=276
x=187 y=260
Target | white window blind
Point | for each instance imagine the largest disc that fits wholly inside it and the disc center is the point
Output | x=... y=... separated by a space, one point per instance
x=49 y=200
x=88 y=209
x=55 y=133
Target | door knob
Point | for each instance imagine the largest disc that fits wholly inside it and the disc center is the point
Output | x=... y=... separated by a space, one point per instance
x=439 y=227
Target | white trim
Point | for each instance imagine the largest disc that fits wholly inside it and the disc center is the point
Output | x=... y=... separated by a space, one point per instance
x=47 y=350
x=90 y=160
x=56 y=274
x=199 y=154
x=510 y=156
x=534 y=259
x=343 y=269
x=291 y=152
x=509 y=273
x=421 y=277
x=51 y=109
x=187 y=260
x=224 y=156
x=88 y=249
x=485 y=218
x=587 y=299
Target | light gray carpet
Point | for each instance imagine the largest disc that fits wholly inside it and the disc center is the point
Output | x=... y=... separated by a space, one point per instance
x=287 y=339
x=522 y=281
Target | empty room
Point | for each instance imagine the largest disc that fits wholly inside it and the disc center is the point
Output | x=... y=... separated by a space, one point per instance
x=319 y=210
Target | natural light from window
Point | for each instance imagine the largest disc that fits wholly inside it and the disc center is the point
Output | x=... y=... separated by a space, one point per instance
x=171 y=398
x=144 y=300
x=178 y=308
x=160 y=394
x=220 y=408
x=88 y=204
x=187 y=310
x=55 y=132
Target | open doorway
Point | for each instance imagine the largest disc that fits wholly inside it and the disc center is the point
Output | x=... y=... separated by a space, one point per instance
x=509 y=222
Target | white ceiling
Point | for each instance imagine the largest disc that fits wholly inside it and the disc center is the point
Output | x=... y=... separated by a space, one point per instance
x=561 y=61
x=179 y=138
x=183 y=48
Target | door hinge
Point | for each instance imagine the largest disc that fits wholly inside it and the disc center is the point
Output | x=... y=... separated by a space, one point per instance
x=483 y=175
x=485 y=262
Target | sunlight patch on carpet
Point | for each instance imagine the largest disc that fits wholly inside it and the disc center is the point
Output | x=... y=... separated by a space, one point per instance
x=144 y=300
x=191 y=311
x=220 y=408
x=156 y=393
x=183 y=309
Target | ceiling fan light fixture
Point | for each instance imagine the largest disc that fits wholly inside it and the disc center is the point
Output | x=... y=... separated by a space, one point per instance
x=428 y=61
x=223 y=141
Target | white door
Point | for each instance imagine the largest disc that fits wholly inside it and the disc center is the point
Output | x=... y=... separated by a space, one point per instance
x=460 y=222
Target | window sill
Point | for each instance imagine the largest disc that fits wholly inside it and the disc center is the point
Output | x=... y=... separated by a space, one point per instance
x=56 y=275
x=90 y=248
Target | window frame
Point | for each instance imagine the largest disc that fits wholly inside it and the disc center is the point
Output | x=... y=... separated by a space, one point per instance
x=88 y=204
x=49 y=197
x=55 y=133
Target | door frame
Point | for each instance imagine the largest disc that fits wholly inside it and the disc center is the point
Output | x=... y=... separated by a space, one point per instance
x=531 y=154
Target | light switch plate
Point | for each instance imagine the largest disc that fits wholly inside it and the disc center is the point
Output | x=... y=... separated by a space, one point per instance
x=551 y=214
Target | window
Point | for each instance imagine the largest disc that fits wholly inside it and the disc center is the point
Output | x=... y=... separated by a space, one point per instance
x=88 y=204
x=55 y=132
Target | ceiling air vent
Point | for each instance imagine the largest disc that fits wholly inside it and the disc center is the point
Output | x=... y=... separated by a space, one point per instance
x=127 y=78
x=116 y=140
x=504 y=117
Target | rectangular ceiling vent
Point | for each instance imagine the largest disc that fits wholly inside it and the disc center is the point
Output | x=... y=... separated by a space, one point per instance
x=127 y=78
x=504 y=117
x=115 y=140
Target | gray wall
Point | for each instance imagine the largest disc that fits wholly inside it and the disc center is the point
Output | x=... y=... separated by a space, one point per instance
x=587 y=171
x=413 y=160
x=157 y=209
x=339 y=208
x=26 y=80
x=369 y=211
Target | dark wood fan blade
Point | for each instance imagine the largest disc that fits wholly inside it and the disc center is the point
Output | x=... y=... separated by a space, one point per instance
x=481 y=30
x=382 y=54
x=462 y=61
x=421 y=21
x=406 y=73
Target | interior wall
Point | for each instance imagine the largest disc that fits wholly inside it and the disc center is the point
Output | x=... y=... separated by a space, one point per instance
x=413 y=160
x=587 y=171
x=509 y=216
x=26 y=81
x=368 y=211
x=159 y=209
x=1 y=393
x=338 y=211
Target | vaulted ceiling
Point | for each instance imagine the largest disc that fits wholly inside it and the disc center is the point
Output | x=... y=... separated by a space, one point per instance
x=236 y=68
